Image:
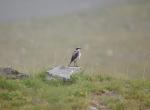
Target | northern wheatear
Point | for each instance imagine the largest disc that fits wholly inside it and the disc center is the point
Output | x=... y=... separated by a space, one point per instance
x=75 y=56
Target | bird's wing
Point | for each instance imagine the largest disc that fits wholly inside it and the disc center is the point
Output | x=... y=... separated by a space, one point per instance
x=74 y=55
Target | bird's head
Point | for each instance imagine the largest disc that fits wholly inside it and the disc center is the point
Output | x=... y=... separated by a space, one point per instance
x=78 y=48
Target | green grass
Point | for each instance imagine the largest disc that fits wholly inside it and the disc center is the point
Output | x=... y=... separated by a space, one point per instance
x=36 y=93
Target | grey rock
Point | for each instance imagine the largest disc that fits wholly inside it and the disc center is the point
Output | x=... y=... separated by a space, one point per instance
x=92 y=108
x=62 y=72
x=12 y=73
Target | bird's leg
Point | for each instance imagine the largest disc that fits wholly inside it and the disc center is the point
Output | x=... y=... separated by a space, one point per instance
x=74 y=63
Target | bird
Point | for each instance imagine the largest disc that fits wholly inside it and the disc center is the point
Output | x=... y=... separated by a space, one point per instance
x=75 y=57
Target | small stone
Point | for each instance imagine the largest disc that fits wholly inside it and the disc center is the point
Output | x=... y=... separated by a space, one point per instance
x=12 y=73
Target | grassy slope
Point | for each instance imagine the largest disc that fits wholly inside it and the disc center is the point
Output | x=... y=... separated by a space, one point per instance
x=114 y=39
x=37 y=94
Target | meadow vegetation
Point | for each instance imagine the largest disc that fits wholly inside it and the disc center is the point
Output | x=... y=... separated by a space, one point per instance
x=36 y=93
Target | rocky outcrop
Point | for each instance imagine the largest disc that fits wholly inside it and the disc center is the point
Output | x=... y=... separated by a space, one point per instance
x=12 y=73
x=62 y=72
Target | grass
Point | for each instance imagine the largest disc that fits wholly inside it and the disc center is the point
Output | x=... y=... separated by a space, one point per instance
x=36 y=93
